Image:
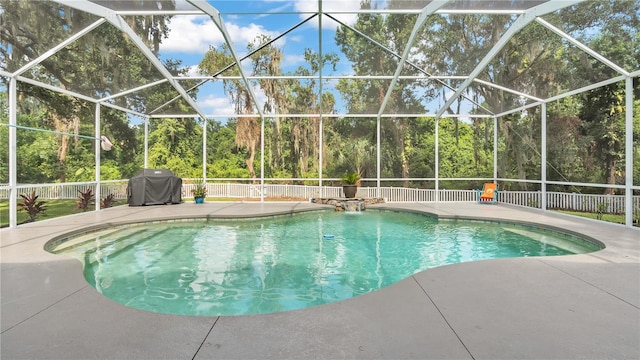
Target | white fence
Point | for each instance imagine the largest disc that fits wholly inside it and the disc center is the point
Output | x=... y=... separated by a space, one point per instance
x=613 y=204
x=69 y=190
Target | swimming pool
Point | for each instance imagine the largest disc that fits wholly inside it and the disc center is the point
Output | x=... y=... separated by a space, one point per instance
x=237 y=267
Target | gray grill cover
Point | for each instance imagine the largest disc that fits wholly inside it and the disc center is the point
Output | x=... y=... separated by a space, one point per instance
x=154 y=187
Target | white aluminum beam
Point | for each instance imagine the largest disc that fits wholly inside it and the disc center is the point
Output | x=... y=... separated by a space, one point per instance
x=123 y=93
x=340 y=12
x=325 y=77
x=495 y=149
x=543 y=157
x=566 y=94
x=215 y=16
x=97 y=148
x=262 y=158
x=216 y=75
x=205 y=122
x=429 y=76
x=118 y=22
x=436 y=167
x=586 y=88
x=56 y=89
x=424 y=14
x=75 y=94
x=336 y=115
x=585 y=184
x=13 y=146
x=522 y=21
x=146 y=142
x=583 y=47
x=519 y=109
x=628 y=157
x=60 y=46
x=503 y=88
x=379 y=152
x=321 y=103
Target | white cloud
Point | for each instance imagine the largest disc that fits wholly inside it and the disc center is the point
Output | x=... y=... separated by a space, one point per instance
x=191 y=34
x=212 y=104
x=241 y=36
x=328 y=6
x=193 y=71
x=218 y=103
x=293 y=60
x=194 y=34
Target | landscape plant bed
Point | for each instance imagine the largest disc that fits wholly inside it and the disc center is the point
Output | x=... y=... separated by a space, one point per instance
x=54 y=209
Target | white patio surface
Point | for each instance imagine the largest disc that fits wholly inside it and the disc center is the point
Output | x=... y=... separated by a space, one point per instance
x=567 y=307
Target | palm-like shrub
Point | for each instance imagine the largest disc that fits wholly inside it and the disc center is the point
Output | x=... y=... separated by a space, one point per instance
x=32 y=206
x=85 y=199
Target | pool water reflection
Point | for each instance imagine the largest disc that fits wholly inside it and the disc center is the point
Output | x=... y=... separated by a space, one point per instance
x=289 y=262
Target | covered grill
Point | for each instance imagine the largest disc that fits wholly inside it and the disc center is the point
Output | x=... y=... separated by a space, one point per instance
x=154 y=187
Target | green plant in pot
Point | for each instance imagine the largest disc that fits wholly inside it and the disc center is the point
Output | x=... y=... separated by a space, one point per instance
x=350 y=184
x=199 y=192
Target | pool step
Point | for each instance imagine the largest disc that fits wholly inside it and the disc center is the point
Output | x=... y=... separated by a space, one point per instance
x=88 y=240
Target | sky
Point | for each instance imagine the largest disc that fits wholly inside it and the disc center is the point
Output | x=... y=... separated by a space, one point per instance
x=191 y=36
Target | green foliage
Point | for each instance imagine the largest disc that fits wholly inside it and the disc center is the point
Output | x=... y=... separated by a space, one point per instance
x=176 y=144
x=85 y=199
x=32 y=206
x=602 y=208
x=110 y=171
x=350 y=178
x=585 y=135
x=227 y=168
x=200 y=189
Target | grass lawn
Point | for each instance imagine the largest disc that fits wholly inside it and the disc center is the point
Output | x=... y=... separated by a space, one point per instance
x=614 y=218
x=57 y=208
x=53 y=209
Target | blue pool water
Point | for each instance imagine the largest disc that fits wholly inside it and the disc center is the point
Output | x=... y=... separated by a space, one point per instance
x=291 y=262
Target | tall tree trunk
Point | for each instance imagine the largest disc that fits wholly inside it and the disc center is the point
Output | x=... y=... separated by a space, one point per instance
x=294 y=155
x=611 y=164
x=62 y=157
x=403 y=157
x=63 y=125
x=249 y=162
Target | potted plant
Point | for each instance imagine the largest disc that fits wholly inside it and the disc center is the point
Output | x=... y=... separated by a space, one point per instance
x=199 y=192
x=350 y=184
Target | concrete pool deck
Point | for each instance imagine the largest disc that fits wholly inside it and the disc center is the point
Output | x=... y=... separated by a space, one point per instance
x=566 y=307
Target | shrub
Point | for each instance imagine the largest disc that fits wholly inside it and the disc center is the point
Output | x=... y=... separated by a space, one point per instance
x=601 y=209
x=107 y=201
x=85 y=199
x=350 y=178
x=32 y=206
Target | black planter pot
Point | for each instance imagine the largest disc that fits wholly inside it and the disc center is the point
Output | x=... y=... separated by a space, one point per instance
x=349 y=191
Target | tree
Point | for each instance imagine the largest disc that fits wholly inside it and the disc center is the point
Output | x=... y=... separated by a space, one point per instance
x=304 y=98
x=247 y=128
x=175 y=144
x=603 y=109
x=267 y=62
x=363 y=95
x=224 y=159
x=102 y=62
